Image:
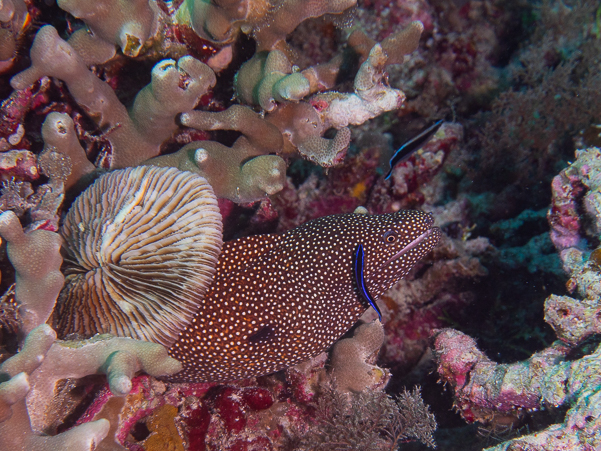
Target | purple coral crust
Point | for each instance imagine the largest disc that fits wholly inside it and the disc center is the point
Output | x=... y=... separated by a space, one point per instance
x=484 y=388
x=20 y=164
x=488 y=392
x=563 y=215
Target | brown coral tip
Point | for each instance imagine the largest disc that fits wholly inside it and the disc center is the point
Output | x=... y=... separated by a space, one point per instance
x=141 y=248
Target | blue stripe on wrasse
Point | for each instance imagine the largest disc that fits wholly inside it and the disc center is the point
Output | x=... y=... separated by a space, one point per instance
x=411 y=146
x=360 y=280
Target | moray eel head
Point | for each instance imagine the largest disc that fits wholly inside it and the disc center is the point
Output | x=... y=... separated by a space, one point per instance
x=277 y=300
x=394 y=246
x=401 y=241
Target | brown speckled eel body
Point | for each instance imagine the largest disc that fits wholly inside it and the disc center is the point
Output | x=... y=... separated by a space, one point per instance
x=277 y=300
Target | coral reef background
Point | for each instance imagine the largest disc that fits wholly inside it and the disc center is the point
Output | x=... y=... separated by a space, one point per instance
x=291 y=110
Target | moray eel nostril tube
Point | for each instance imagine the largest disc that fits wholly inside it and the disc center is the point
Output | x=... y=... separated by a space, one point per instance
x=277 y=300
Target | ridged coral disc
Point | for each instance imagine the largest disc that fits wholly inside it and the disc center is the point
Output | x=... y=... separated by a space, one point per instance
x=142 y=245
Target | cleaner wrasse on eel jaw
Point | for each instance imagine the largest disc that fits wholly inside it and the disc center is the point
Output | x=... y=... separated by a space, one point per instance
x=280 y=299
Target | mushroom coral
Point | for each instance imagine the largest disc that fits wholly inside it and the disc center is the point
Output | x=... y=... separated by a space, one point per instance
x=141 y=247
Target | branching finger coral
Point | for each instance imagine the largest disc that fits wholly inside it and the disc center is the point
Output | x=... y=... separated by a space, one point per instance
x=14 y=372
x=269 y=81
x=261 y=134
x=284 y=17
x=15 y=430
x=268 y=21
x=59 y=136
x=268 y=78
x=372 y=95
x=351 y=358
x=42 y=363
x=137 y=137
x=175 y=87
x=119 y=358
x=126 y=23
x=13 y=16
x=303 y=128
x=37 y=262
x=216 y=20
x=242 y=173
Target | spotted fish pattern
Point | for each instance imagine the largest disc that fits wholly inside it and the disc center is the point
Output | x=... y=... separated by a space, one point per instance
x=277 y=300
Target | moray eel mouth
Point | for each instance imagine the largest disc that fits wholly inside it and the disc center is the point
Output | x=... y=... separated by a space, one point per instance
x=432 y=234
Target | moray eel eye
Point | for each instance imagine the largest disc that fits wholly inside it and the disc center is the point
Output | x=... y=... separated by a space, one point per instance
x=389 y=237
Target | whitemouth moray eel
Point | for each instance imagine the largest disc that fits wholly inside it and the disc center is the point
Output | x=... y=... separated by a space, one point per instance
x=277 y=300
